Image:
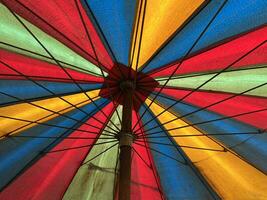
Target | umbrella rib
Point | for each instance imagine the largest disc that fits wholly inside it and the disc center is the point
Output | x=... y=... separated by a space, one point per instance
x=46 y=124
x=225 y=149
x=116 y=174
x=200 y=109
x=150 y=161
x=20 y=100
x=207 y=73
x=55 y=112
x=64 y=80
x=135 y=32
x=96 y=56
x=187 y=162
x=184 y=57
x=51 y=26
x=55 y=137
x=159 y=152
x=209 y=121
x=198 y=52
x=217 y=74
x=103 y=35
x=36 y=157
x=170 y=139
x=43 y=87
x=79 y=147
x=229 y=149
x=261 y=131
x=41 y=123
x=174 y=145
x=59 y=65
x=190 y=147
x=193 y=15
x=100 y=153
x=140 y=40
x=79 y=69
x=150 y=167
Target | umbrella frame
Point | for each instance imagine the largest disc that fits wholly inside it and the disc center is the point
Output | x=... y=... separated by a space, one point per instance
x=125 y=140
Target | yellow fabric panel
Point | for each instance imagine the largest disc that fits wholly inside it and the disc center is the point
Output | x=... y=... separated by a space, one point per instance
x=162 y=19
x=231 y=177
x=33 y=113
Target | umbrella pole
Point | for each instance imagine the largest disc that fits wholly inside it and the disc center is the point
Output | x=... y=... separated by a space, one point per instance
x=126 y=139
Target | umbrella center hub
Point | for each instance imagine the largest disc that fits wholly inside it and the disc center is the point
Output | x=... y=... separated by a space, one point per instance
x=122 y=79
x=127 y=85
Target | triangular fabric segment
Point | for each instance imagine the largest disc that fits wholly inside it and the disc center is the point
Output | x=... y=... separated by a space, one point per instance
x=114 y=20
x=96 y=179
x=158 y=20
x=231 y=82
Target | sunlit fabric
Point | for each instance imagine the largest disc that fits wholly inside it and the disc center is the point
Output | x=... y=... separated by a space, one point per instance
x=125 y=100
x=230 y=82
x=158 y=21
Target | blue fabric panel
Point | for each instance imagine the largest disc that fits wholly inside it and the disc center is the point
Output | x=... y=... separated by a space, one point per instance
x=236 y=17
x=17 y=153
x=178 y=181
x=24 y=89
x=251 y=147
x=116 y=20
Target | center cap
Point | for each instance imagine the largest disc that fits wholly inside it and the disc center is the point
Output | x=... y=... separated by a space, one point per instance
x=127 y=85
x=122 y=79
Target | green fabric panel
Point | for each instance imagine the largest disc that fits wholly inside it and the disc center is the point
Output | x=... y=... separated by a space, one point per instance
x=13 y=33
x=233 y=82
x=95 y=180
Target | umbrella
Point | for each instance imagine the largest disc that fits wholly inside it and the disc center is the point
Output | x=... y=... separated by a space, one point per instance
x=144 y=99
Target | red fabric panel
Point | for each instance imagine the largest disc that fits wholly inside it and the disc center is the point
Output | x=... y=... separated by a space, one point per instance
x=61 y=20
x=234 y=106
x=222 y=56
x=143 y=182
x=49 y=177
x=34 y=68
